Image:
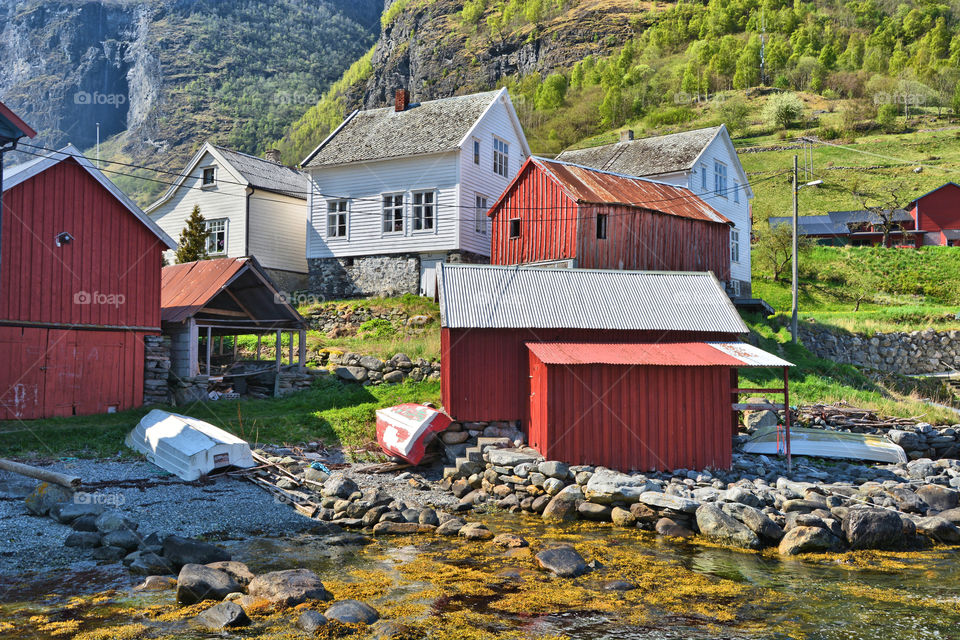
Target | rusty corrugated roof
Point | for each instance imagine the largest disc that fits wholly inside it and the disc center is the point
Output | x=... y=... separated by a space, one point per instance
x=669 y=354
x=186 y=288
x=593 y=186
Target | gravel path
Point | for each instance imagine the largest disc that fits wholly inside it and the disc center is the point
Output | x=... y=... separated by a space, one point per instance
x=224 y=507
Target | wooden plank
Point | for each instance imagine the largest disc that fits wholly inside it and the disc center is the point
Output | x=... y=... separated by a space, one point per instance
x=758 y=406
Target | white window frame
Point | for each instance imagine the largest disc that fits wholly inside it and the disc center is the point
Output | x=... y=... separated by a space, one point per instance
x=736 y=192
x=332 y=213
x=480 y=213
x=735 y=288
x=501 y=157
x=393 y=207
x=476 y=151
x=720 y=178
x=203 y=177
x=226 y=225
x=703 y=177
x=734 y=245
x=417 y=211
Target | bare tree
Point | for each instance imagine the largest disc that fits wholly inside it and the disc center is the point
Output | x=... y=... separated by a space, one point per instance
x=886 y=201
x=774 y=248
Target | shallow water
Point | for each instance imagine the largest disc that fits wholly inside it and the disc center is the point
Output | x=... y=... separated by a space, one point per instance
x=449 y=588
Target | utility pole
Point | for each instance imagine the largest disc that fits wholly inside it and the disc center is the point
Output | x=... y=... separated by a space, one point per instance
x=796 y=234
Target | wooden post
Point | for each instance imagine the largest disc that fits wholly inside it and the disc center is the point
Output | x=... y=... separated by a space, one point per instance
x=209 y=334
x=259 y=338
x=786 y=409
x=291 y=346
x=276 y=379
x=220 y=345
x=303 y=349
x=235 y=347
x=71 y=482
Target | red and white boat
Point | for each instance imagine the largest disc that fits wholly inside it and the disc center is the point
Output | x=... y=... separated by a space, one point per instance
x=404 y=430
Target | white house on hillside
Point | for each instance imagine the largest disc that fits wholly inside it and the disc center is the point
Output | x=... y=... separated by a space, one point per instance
x=703 y=160
x=396 y=190
x=252 y=207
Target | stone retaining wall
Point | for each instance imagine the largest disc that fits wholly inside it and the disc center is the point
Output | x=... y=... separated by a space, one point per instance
x=900 y=352
x=156 y=369
x=345 y=321
x=371 y=370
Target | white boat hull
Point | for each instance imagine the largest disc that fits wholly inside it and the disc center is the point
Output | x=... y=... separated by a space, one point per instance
x=820 y=443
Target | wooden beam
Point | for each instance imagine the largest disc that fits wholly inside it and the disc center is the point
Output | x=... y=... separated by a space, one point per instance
x=223 y=312
x=241 y=305
x=71 y=482
x=209 y=333
x=758 y=406
x=291 y=347
x=303 y=349
x=259 y=338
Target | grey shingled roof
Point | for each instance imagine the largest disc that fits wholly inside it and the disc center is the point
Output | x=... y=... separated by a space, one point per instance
x=513 y=297
x=645 y=156
x=426 y=127
x=266 y=174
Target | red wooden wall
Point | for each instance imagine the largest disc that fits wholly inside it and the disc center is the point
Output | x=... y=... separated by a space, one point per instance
x=485 y=373
x=637 y=418
x=112 y=254
x=939 y=210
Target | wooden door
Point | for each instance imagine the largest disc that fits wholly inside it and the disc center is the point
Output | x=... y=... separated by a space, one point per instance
x=22 y=352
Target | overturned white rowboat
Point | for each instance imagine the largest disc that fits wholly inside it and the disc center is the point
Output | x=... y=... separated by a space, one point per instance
x=821 y=443
x=187 y=447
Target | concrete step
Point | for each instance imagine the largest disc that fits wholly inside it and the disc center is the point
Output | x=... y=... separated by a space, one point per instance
x=474 y=454
x=495 y=442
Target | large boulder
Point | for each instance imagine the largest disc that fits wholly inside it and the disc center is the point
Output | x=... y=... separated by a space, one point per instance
x=939 y=498
x=755 y=520
x=669 y=528
x=802 y=539
x=873 y=529
x=938 y=529
x=226 y=615
x=46 y=496
x=236 y=570
x=512 y=457
x=352 y=612
x=594 y=511
x=660 y=500
x=606 y=486
x=563 y=506
x=339 y=486
x=289 y=588
x=147 y=563
x=311 y=621
x=197 y=583
x=451 y=527
x=112 y=520
x=182 y=551
x=475 y=531
x=563 y=561
x=718 y=525
x=67 y=513
x=906 y=439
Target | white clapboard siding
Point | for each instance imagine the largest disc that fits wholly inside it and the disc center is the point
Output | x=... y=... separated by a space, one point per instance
x=364 y=184
x=480 y=179
x=278 y=231
x=226 y=199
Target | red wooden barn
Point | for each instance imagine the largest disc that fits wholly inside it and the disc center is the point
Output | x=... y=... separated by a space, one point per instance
x=79 y=288
x=627 y=369
x=559 y=212
x=937 y=215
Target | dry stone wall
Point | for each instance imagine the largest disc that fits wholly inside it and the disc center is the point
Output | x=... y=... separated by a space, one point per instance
x=914 y=352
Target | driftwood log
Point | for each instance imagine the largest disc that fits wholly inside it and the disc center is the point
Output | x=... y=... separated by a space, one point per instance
x=70 y=482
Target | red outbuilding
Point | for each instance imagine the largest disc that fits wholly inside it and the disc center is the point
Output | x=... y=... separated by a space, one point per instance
x=79 y=288
x=556 y=212
x=627 y=369
x=937 y=215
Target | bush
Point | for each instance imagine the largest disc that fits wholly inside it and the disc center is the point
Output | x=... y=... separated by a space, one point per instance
x=782 y=110
x=669 y=115
x=887 y=116
x=377 y=328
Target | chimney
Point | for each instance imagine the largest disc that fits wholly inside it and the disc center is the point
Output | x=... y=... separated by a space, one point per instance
x=273 y=155
x=401 y=100
x=626 y=135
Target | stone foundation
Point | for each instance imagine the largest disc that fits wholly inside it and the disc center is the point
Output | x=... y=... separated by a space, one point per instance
x=156 y=352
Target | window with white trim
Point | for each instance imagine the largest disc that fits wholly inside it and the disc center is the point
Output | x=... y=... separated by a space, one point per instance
x=424 y=210
x=501 y=154
x=480 y=213
x=393 y=213
x=703 y=177
x=476 y=151
x=734 y=245
x=736 y=191
x=336 y=218
x=216 y=236
x=209 y=177
x=719 y=178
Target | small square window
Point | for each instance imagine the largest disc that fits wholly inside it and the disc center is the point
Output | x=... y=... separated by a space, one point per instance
x=601 y=226
x=209 y=176
x=515 y=228
x=476 y=152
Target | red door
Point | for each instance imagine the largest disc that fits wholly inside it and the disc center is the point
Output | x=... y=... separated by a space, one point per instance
x=22 y=352
x=63 y=382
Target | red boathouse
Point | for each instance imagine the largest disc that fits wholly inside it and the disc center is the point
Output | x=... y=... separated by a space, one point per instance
x=79 y=288
x=559 y=213
x=628 y=369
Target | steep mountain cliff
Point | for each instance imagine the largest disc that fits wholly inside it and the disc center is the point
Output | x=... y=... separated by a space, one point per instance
x=160 y=76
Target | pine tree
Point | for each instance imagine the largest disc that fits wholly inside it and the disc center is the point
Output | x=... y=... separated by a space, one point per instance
x=193 y=239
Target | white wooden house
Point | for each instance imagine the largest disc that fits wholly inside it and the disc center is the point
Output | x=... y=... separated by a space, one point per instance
x=252 y=207
x=394 y=191
x=703 y=160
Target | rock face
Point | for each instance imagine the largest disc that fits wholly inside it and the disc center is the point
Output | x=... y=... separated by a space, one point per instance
x=352 y=612
x=808 y=540
x=873 y=529
x=197 y=583
x=717 y=525
x=564 y=562
x=226 y=615
x=181 y=551
x=289 y=588
x=563 y=506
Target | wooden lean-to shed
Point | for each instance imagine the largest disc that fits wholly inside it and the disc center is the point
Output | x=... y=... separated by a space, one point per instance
x=628 y=369
x=79 y=290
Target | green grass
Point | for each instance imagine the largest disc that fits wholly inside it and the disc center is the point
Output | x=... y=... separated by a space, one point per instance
x=816 y=380
x=335 y=412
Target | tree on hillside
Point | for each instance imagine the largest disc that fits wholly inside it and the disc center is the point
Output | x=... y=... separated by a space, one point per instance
x=860 y=283
x=774 y=248
x=885 y=202
x=193 y=239
x=783 y=109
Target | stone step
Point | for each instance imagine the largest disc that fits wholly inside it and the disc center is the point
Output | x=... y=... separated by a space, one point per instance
x=495 y=442
x=474 y=454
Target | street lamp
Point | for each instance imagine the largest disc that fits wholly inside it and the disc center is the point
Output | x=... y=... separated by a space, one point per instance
x=796 y=242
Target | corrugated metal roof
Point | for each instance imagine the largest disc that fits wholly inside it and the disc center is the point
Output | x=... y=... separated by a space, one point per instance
x=820 y=225
x=186 y=288
x=750 y=355
x=646 y=156
x=593 y=186
x=670 y=354
x=514 y=297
